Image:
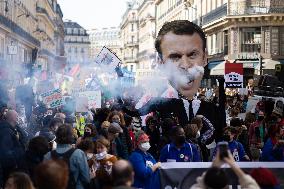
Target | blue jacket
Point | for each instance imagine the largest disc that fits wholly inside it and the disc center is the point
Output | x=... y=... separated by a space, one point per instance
x=78 y=164
x=188 y=153
x=237 y=150
x=270 y=154
x=144 y=176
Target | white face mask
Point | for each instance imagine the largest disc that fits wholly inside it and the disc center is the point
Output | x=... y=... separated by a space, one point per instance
x=145 y=146
x=90 y=156
x=101 y=155
x=198 y=134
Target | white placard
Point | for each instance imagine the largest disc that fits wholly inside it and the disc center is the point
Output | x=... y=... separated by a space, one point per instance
x=94 y=98
x=82 y=104
x=107 y=58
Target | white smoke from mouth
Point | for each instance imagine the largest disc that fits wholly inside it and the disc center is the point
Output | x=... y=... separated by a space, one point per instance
x=179 y=76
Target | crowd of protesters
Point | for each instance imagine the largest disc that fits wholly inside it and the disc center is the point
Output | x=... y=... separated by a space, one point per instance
x=110 y=147
x=84 y=147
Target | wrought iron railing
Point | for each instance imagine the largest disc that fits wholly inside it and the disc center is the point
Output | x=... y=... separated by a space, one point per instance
x=215 y=14
x=18 y=30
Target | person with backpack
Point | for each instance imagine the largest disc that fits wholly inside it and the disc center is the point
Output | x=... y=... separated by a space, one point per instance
x=76 y=159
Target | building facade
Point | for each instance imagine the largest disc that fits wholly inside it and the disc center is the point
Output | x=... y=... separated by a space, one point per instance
x=18 y=42
x=168 y=10
x=129 y=36
x=77 y=43
x=59 y=35
x=242 y=31
x=248 y=32
x=147 y=34
x=108 y=37
x=45 y=31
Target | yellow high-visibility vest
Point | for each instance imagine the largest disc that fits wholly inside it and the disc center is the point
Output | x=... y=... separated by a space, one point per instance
x=80 y=125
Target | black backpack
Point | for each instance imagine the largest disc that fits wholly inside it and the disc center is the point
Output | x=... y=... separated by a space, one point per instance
x=66 y=157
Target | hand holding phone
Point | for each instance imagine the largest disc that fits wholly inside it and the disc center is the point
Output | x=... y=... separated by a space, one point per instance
x=223 y=150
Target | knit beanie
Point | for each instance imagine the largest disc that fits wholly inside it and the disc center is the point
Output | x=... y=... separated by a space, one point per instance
x=264 y=177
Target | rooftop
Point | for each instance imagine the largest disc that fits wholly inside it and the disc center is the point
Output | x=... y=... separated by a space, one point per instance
x=70 y=24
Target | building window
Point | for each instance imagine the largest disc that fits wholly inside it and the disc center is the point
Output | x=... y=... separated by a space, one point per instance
x=75 y=31
x=251 y=40
x=131 y=68
x=69 y=50
x=226 y=42
x=275 y=41
x=132 y=39
x=282 y=40
x=132 y=53
x=69 y=31
x=132 y=27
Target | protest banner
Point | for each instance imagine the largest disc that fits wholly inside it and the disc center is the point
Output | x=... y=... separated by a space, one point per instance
x=234 y=75
x=107 y=58
x=182 y=175
x=94 y=98
x=82 y=104
x=53 y=98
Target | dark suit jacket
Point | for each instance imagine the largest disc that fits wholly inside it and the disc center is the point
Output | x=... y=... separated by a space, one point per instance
x=169 y=107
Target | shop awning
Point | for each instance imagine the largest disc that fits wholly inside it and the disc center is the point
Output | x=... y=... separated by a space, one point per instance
x=268 y=64
x=218 y=69
x=213 y=64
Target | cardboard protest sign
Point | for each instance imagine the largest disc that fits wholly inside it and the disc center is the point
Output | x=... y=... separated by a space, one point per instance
x=82 y=104
x=234 y=75
x=94 y=98
x=53 y=98
x=107 y=58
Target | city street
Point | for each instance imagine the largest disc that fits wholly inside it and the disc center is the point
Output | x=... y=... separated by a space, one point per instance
x=121 y=94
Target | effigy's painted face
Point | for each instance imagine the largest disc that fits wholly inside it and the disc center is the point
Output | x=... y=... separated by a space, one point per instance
x=187 y=54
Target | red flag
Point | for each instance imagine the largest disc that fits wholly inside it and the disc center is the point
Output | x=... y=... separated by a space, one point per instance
x=74 y=70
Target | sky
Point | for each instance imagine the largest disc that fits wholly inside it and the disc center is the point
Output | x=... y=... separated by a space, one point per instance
x=92 y=14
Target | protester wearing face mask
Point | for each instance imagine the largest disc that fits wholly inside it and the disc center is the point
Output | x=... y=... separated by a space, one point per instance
x=235 y=147
x=116 y=147
x=179 y=150
x=273 y=149
x=104 y=162
x=124 y=137
x=145 y=166
x=153 y=132
x=192 y=134
x=257 y=132
x=90 y=132
x=104 y=128
x=107 y=105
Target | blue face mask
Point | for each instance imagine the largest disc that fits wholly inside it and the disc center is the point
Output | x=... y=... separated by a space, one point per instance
x=116 y=121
